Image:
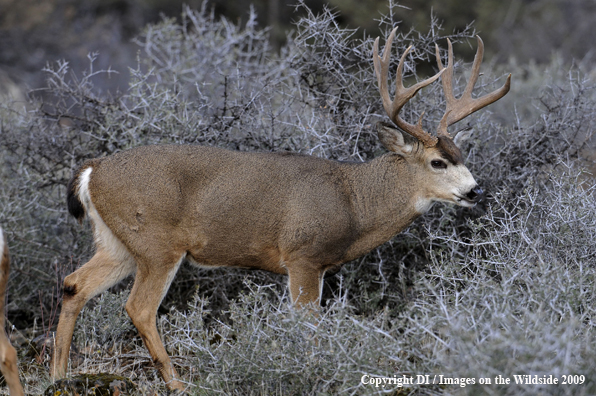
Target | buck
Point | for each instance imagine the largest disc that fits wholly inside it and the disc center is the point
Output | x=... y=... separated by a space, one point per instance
x=8 y=355
x=153 y=207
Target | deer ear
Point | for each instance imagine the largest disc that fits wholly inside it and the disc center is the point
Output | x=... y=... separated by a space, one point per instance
x=393 y=139
x=462 y=137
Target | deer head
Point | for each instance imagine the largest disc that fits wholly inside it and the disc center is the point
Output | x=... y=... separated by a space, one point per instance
x=438 y=158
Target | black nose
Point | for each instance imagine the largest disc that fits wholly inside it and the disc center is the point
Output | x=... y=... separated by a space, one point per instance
x=475 y=194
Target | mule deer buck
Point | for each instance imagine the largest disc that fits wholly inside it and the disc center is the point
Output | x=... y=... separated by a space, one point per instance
x=155 y=206
x=8 y=355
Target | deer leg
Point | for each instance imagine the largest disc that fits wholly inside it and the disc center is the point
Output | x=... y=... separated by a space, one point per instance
x=305 y=285
x=98 y=274
x=151 y=285
x=8 y=365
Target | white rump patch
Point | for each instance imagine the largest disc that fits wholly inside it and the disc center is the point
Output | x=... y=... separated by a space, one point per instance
x=103 y=236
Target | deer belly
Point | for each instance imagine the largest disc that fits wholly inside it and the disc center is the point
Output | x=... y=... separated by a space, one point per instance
x=267 y=259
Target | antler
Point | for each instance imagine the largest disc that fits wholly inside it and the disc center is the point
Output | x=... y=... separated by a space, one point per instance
x=402 y=94
x=458 y=109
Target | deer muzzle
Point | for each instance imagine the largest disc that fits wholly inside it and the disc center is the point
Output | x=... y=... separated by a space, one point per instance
x=475 y=194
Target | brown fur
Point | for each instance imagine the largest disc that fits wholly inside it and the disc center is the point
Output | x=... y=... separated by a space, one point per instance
x=8 y=355
x=450 y=151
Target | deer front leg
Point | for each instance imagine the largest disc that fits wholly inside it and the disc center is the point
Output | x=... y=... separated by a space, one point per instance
x=305 y=285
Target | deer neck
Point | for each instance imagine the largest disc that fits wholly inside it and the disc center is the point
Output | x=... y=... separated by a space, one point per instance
x=383 y=196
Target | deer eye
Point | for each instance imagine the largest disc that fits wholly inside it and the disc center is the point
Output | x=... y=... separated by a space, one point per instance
x=438 y=164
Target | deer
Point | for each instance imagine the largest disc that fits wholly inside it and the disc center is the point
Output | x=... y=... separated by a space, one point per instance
x=153 y=207
x=8 y=355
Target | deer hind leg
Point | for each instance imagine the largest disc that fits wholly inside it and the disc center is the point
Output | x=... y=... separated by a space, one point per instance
x=97 y=275
x=151 y=284
x=305 y=285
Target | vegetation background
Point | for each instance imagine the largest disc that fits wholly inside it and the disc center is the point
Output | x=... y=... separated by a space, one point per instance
x=506 y=288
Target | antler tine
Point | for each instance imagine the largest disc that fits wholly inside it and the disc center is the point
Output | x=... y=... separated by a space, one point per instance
x=448 y=72
x=402 y=94
x=458 y=109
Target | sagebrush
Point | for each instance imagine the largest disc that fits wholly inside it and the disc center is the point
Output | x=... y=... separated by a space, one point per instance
x=504 y=288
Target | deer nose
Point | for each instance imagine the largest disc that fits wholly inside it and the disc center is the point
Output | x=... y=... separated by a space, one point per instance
x=475 y=194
